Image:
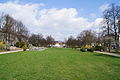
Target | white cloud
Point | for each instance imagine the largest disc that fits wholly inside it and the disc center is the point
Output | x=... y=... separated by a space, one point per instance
x=56 y=22
x=104 y=7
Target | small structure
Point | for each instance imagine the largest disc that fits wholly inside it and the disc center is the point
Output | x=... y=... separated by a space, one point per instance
x=59 y=44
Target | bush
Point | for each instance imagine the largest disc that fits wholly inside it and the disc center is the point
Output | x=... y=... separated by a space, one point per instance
x=90 y=50
x=87 y=46
x=83 y=49
x=2 y=48
x=100 y=48
x=21 y=44
x=1 y=43
x=17 y=44
x=25 y=47
x=7 y=46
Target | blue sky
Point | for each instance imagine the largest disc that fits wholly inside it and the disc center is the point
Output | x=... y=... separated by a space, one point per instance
x=59 y=18
x=84 y=7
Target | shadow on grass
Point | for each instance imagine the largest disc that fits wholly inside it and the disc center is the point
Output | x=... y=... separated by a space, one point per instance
x=104 y=55
x=116 y=52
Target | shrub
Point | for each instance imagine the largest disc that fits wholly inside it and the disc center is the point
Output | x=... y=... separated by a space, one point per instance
x=5 y=47
x=2 y=47
x=1 y=43
x=88 y=46
x=17 y=44
x=25 y=47
x=83 y=49
x=100 y=48
x=21 y=44
x=90 y=50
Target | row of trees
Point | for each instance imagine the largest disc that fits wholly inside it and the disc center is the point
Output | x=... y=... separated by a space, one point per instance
x=12 y=30
x=86 y=37
x=39 y=40
x=111 y=26
x=109 y=37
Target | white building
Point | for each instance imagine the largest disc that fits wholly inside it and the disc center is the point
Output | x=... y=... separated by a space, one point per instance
x=59 y=44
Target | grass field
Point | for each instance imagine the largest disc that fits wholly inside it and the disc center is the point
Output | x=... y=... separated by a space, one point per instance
x=58 y=64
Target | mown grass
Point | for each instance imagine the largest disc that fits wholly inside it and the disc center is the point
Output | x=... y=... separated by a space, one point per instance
x=58 y=64
x=116 y=52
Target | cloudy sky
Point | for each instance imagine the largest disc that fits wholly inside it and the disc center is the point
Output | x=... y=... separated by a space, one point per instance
x=59 y=18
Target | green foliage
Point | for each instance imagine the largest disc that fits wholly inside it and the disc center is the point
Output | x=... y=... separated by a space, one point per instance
x=90 y=50
x=21 y=44
x=99 y=48
x=83 y=50
x=1 y=46
x=58 y=64
x=17 y=44
x=7 y=46
x=4 y=47
x=25 y=47
x=87 y=48
x=1 y=43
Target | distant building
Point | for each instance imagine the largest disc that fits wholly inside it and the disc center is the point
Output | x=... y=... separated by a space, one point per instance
x=59 y=44
x=12 y=39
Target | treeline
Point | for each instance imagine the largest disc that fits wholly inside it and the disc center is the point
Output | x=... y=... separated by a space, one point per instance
x=86 y=37
x=39 y=40
x=12 y=30
x=111 y=27
x=109 y=37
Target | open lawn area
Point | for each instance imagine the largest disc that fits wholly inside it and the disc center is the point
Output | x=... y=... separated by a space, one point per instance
x=58 y=64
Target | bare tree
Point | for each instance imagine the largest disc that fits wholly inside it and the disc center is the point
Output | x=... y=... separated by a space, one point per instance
x=107 y=28
x=111 y=16
x=21 y=32
x=7 y=27
x=72 y=42
x=87 y=37
x=49 y=40
x=12 y=29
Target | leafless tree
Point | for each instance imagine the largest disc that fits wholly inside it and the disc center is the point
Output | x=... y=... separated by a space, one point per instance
x=111 y=17
x=37 y=40
x=22 y=32
x=12 y=29
x=49 y=40
x=87 y=37
x=70 y=42
x=7 y=27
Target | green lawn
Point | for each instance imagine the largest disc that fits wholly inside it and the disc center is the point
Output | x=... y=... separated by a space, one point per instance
x=58 y=64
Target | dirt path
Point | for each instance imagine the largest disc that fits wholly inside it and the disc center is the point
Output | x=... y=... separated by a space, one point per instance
x=6 y=52
x=107 y=53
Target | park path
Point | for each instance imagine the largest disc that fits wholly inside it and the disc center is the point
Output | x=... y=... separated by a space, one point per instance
x=6 y=52
x=107 y=53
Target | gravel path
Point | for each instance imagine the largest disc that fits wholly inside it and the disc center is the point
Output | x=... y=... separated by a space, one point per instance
x=107 y=53
x=6 y=52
